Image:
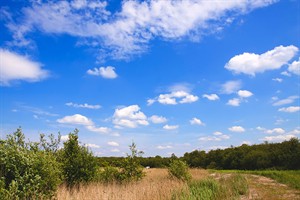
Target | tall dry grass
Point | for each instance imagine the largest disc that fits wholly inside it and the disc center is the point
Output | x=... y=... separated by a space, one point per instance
x=156 y=185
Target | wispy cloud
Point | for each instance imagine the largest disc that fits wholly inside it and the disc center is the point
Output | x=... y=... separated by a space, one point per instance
x=164 y=147
x=288 y=100
x=231 y=87
x=85 y=105
x=126 y=32
x=290 y=109
x=37 y=111
x=218 y=136
x=112 y=143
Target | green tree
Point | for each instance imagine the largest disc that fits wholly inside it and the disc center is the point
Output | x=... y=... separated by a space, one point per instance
x=179 y=169
x=79 y=165
x=27 y=172
x=131 y=169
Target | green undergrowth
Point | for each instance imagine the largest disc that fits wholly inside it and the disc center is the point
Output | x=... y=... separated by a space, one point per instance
x=211 y=189
x=288 y=177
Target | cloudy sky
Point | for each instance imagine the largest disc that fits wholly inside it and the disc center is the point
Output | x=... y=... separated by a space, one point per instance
x=172 y=76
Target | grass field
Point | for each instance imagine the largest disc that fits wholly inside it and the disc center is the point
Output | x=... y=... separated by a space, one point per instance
x=205 y=185
x=156 y=185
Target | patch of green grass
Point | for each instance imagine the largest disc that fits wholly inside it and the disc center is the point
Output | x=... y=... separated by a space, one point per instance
x=288 y=177
x=210 y=189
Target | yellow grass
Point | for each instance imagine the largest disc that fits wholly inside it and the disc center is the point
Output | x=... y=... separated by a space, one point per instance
x=156 y=185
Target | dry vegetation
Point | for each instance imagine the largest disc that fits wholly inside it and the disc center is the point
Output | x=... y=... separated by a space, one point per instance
x=156 y=185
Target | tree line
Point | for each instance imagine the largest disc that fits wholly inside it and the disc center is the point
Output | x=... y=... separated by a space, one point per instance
x=281 y=156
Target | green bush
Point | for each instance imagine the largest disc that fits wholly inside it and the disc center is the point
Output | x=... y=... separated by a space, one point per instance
x=27 y=172
x=78 y=163
x=130 y=169
x=179 y=169
x=108 y=174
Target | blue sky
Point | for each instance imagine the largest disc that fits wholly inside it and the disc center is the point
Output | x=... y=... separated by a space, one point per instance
x=172 y=76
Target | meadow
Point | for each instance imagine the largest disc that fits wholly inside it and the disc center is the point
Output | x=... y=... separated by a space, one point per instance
x=42 y=170
x=204 y=185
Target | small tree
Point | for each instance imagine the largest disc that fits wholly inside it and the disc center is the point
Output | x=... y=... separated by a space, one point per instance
x=79 y=165
x=27 y=172
x=179 y=169
x=131 y=170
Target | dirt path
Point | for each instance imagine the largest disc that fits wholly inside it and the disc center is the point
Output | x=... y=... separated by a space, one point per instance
x=261 y=187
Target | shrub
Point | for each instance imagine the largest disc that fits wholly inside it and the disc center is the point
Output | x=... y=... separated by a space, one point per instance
x=179 y=169
x=27 y=172
x=131 y=170
x=108 y=174
x=79 y=164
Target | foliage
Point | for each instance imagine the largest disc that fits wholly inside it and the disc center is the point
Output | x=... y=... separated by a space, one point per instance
x=210 y=189
x=285 y=155
x=130 y=169
x=179 y=169
x=79 y=165
x=27 y=172
x=108 y=174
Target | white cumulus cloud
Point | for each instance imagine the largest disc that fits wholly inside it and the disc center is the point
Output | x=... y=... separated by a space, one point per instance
x=174 y=98
x=244 y=93
x=15 y=67
x=275 y=130
x=278 y=138
x=105 y=72
x=158 y=119
x=211 y=97
x=238 y=129
x=170 y=127
x=294 y=67
x=234 y=102
x=196 y=121
x=76 y=119
x=130 y=117
x=251 y=63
